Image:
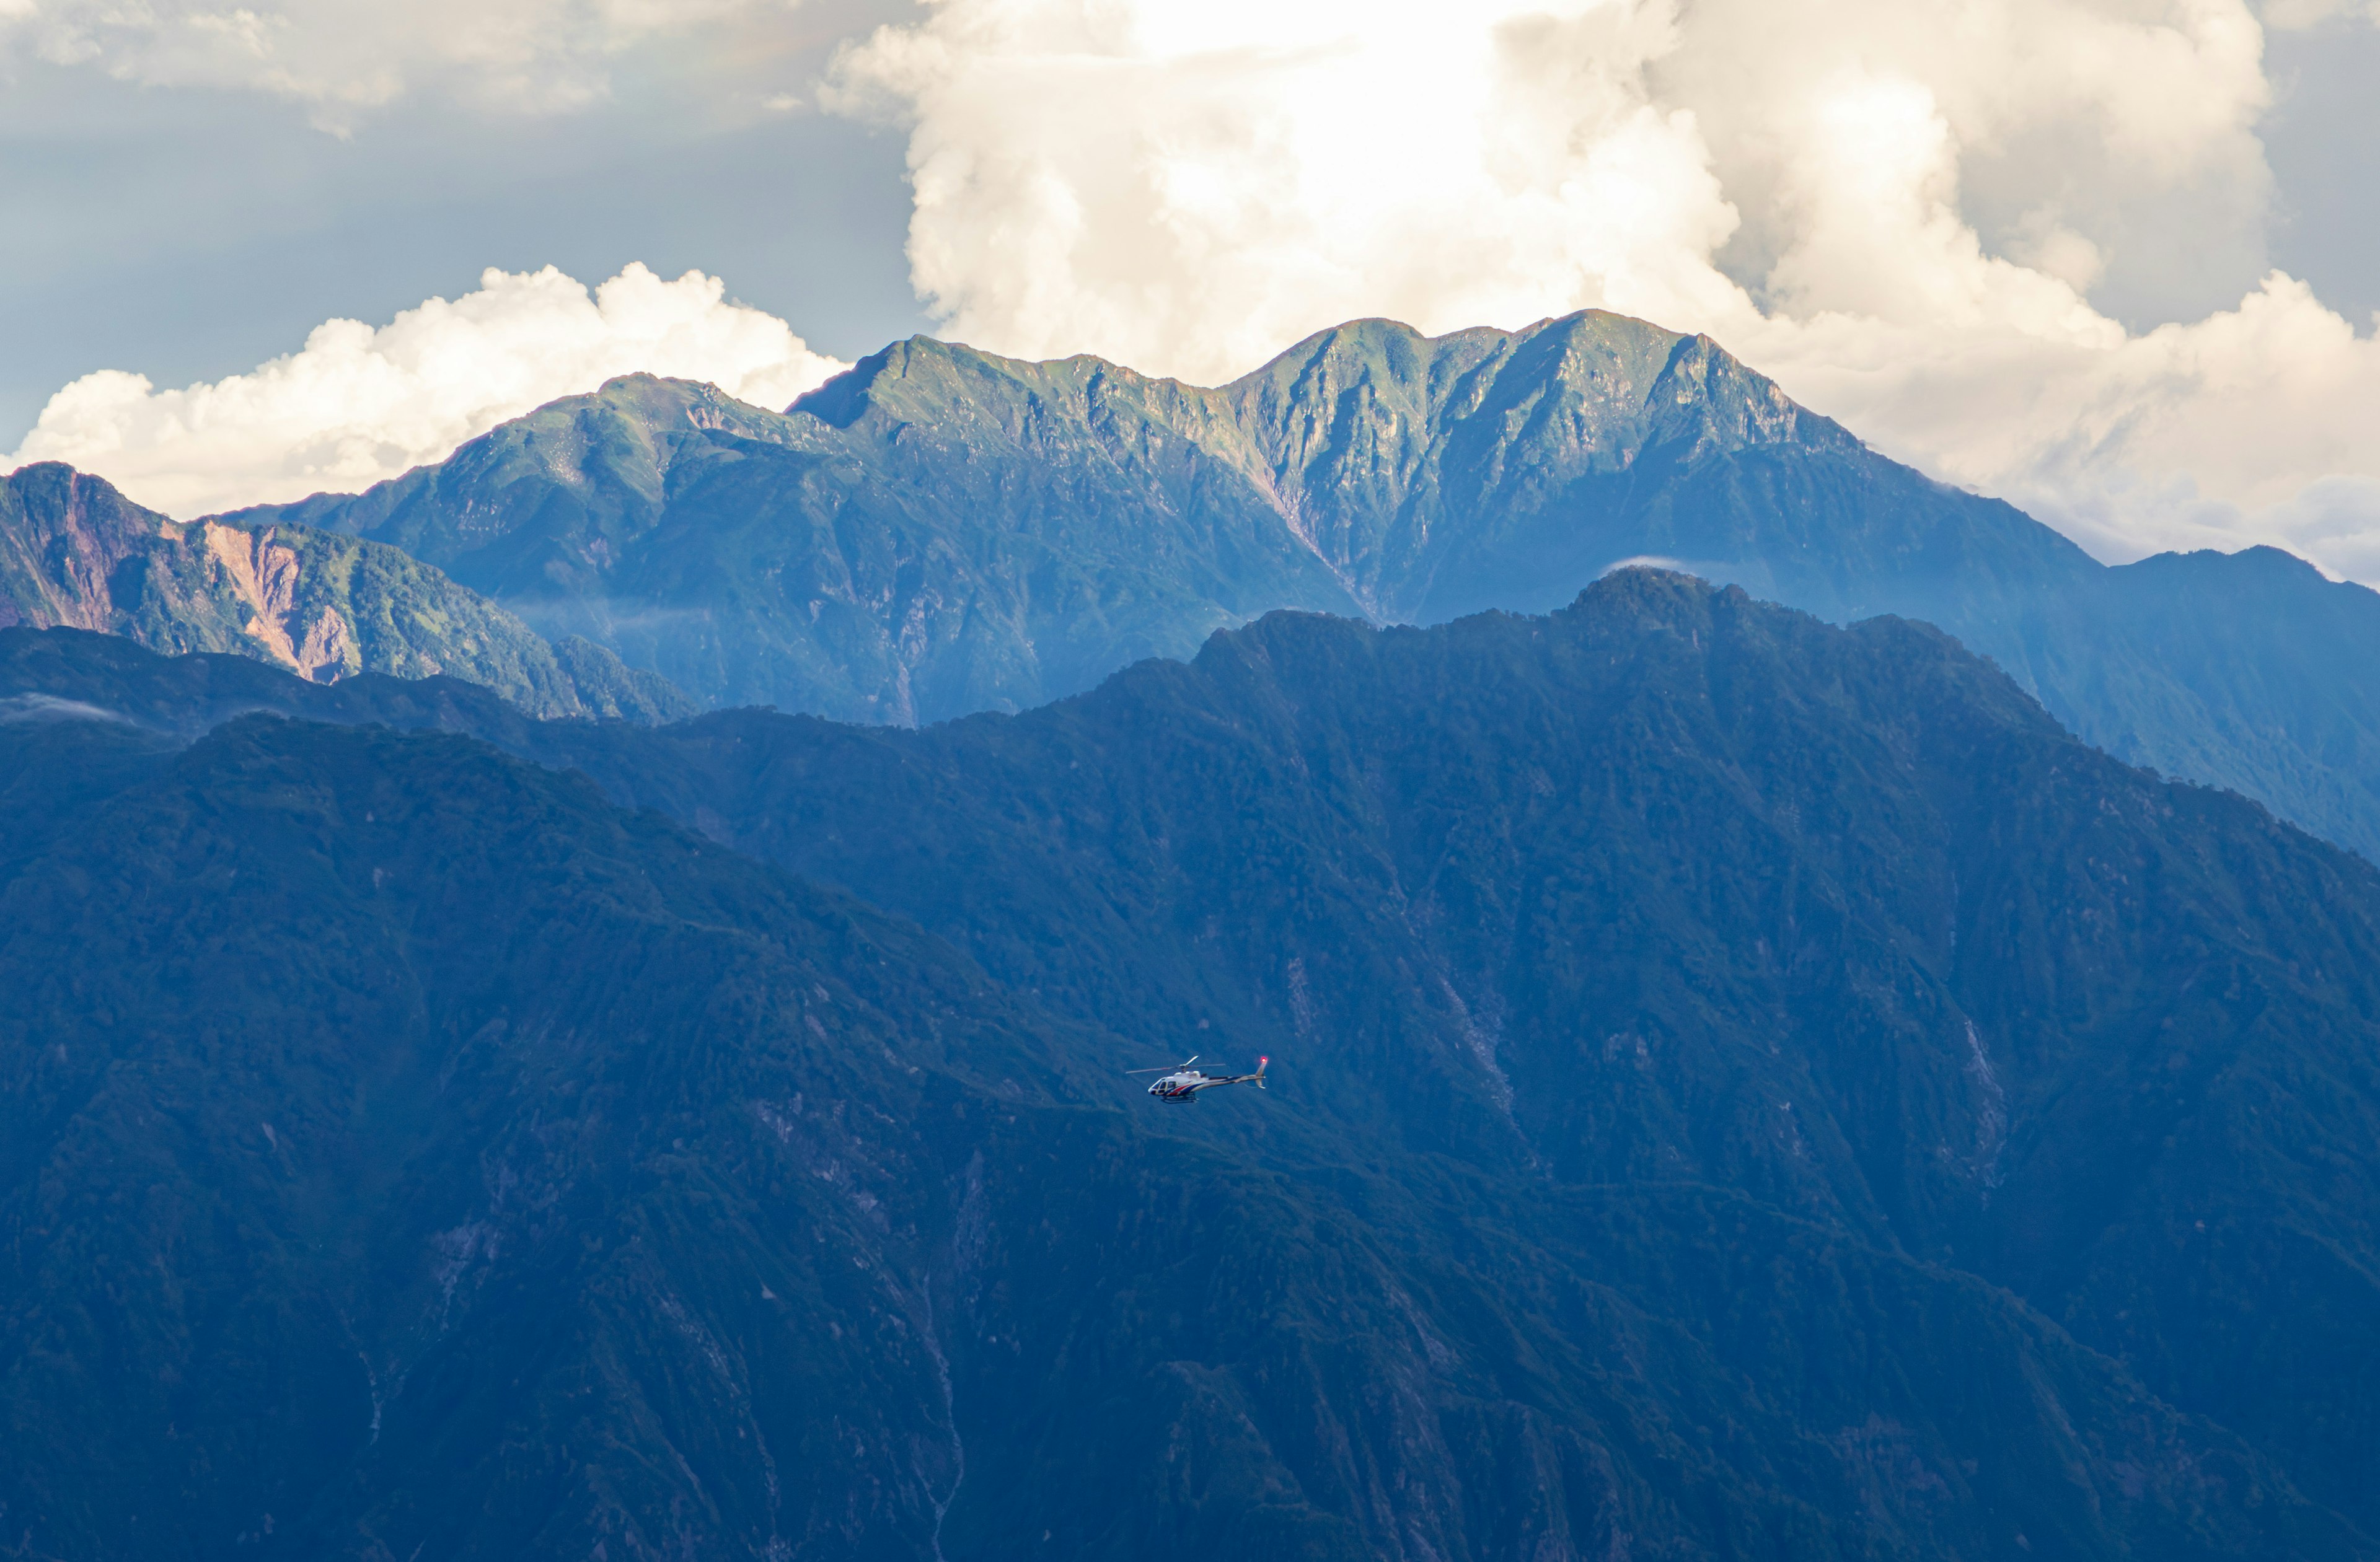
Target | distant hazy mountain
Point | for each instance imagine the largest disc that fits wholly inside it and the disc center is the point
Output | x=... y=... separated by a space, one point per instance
x=73 y=551
x=1741 y=1088
x=940 y=531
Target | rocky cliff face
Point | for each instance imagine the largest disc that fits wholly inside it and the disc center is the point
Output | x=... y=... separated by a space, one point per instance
x=264 y=575
x=75 y=552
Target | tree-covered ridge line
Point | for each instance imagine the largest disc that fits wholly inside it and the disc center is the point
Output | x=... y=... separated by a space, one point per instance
x=1740 y=1088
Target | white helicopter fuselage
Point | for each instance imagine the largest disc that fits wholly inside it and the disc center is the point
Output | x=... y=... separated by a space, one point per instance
x=1184 y=1083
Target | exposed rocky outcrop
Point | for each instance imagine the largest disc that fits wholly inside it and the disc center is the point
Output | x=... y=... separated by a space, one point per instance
x=264 y=573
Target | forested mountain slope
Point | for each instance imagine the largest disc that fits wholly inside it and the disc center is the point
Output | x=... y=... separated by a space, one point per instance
x=1741 y=1088
x=941 y=531
x=1675 y=885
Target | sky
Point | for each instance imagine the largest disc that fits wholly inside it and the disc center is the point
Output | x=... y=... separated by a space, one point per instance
x=2116 y=261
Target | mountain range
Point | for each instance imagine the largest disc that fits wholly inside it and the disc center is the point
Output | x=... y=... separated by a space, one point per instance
x=941 y=531
x=1741 y=1087
x=1884 y=1076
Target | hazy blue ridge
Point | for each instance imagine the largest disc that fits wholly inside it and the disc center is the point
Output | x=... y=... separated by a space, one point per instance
x=940 y=531
x=73 y=551
x=1741 y=1088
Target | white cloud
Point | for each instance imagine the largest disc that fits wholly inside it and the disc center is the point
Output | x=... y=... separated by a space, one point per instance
x=1192 y=189
x=357 y=404
x=1895 y=206
x=342 y=58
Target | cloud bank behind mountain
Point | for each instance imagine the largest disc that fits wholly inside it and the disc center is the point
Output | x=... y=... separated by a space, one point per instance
x=2019 y=243
x=358 y=404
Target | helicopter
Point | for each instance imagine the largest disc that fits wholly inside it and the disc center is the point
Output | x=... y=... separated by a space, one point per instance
x=1182 y=1083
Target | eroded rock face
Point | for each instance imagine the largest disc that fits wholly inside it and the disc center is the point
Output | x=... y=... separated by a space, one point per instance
x=264 y=575
x=75 y=553
x=326 y=648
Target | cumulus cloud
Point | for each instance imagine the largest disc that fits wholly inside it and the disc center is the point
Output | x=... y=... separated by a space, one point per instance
x=1927 y=217
x=342 y=59
x=358 y=404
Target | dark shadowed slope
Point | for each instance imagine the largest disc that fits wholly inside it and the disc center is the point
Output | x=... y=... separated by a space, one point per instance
x=940 y=531
x=1673 y=886
x=1745 y=1087
x=413 y=1156
x=73 y=551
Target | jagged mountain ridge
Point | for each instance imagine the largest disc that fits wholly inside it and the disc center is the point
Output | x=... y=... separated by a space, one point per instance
x=941 y=531
x=1126 y=516
x=1768 y=1090
x=75 y=552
